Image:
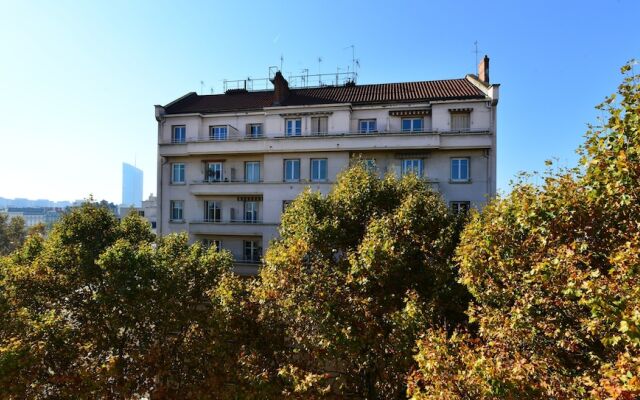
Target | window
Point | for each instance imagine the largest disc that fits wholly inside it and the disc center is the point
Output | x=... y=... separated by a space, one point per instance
x=177 y=173
x=291 y=170
x=141 y=213
x=293 y=127
x=251 y=211
x=367 y=126
x=176 y=207
x=218 y=133
x=252 y=252
x=212 y=211
x=411 y=124
x=460 y=121
x=178 y=134
x=285 y=204
x=413 y=166
x=214 y=172
x=252 y=171
x=458 y=207
x=319 y=125
x=460 y=169
x=254 y=130
x=318 y=169
x=214 y=244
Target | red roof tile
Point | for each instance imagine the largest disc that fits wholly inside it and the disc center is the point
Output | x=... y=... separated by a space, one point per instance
x=358 y=95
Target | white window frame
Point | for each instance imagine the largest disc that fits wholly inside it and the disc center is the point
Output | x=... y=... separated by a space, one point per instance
x=319 y=162
x=176 y=210
x=412 y=128
x=411 y=162
x=367 y=128
x=208 y=243
x=254 y=250
x=293 y=161
x=290 y=128
x=217 y=211
x=459 y=206
x=252 y=130
x=175 y=138
x=316 y=125
x=285 y=204
x=253 y=164
x=178 y=177
x=218 y=132
x=251 y=213
x=458 y=169
x=210 y=177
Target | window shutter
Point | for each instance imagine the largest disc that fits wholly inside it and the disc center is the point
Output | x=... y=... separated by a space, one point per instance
x=324 y=124
x=248 y=129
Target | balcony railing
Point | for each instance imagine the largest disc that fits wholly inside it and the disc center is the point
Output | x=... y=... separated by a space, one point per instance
x=280 y=135
x=222 y=181
x=229 y=221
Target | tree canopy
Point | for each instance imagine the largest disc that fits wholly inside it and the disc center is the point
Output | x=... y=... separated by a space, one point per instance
x=554 y=274
x=353 y=278
x=99 y=309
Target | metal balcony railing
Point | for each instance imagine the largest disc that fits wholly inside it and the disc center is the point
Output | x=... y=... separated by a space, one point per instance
x=228 y=221
x=222 y=181
x=281 y=135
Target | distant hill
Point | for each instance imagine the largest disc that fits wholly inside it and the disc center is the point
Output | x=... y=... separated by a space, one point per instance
x=19 y=202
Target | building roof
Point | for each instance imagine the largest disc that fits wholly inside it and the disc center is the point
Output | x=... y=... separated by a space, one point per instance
x=240 y=100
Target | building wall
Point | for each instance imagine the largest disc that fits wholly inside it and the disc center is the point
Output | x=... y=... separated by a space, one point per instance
x=435 y=146
x=131 y=186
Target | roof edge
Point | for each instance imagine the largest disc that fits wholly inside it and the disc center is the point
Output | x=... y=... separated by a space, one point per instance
x=180 y=99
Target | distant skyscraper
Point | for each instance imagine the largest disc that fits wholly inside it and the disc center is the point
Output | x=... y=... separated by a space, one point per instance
x=131 y=185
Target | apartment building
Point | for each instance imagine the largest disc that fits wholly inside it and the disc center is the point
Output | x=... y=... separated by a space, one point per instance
x=229 y=164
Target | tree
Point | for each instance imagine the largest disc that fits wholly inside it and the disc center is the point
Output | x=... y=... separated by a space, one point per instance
x=12 y=233
x=554 y=274
x=350 y=282
x=99 y=309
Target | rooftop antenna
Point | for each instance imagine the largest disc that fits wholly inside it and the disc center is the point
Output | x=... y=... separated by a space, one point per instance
x=320 y=70
x=281 y=61
x=305 y=77
x=201 y=87
x=355 y=63
x=211 y=90
x=476 y=51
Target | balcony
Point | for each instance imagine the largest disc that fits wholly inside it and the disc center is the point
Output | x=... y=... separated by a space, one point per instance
x=232 y=187
x=206 y=188
x=246 y=267
x=345 y=141
x=230 y=227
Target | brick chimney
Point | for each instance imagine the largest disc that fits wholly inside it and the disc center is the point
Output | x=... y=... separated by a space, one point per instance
x=280 y=89
x=483 y=69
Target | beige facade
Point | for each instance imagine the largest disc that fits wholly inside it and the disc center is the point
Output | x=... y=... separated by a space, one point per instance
x=225 y=181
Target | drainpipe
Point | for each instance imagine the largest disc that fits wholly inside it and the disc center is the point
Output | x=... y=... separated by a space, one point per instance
x=161 y=161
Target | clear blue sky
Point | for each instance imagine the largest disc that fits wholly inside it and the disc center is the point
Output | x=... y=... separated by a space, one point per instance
x=78 y=80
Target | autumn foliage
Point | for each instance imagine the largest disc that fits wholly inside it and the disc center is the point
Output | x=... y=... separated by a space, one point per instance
x=374 y=291
x=554 y=274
